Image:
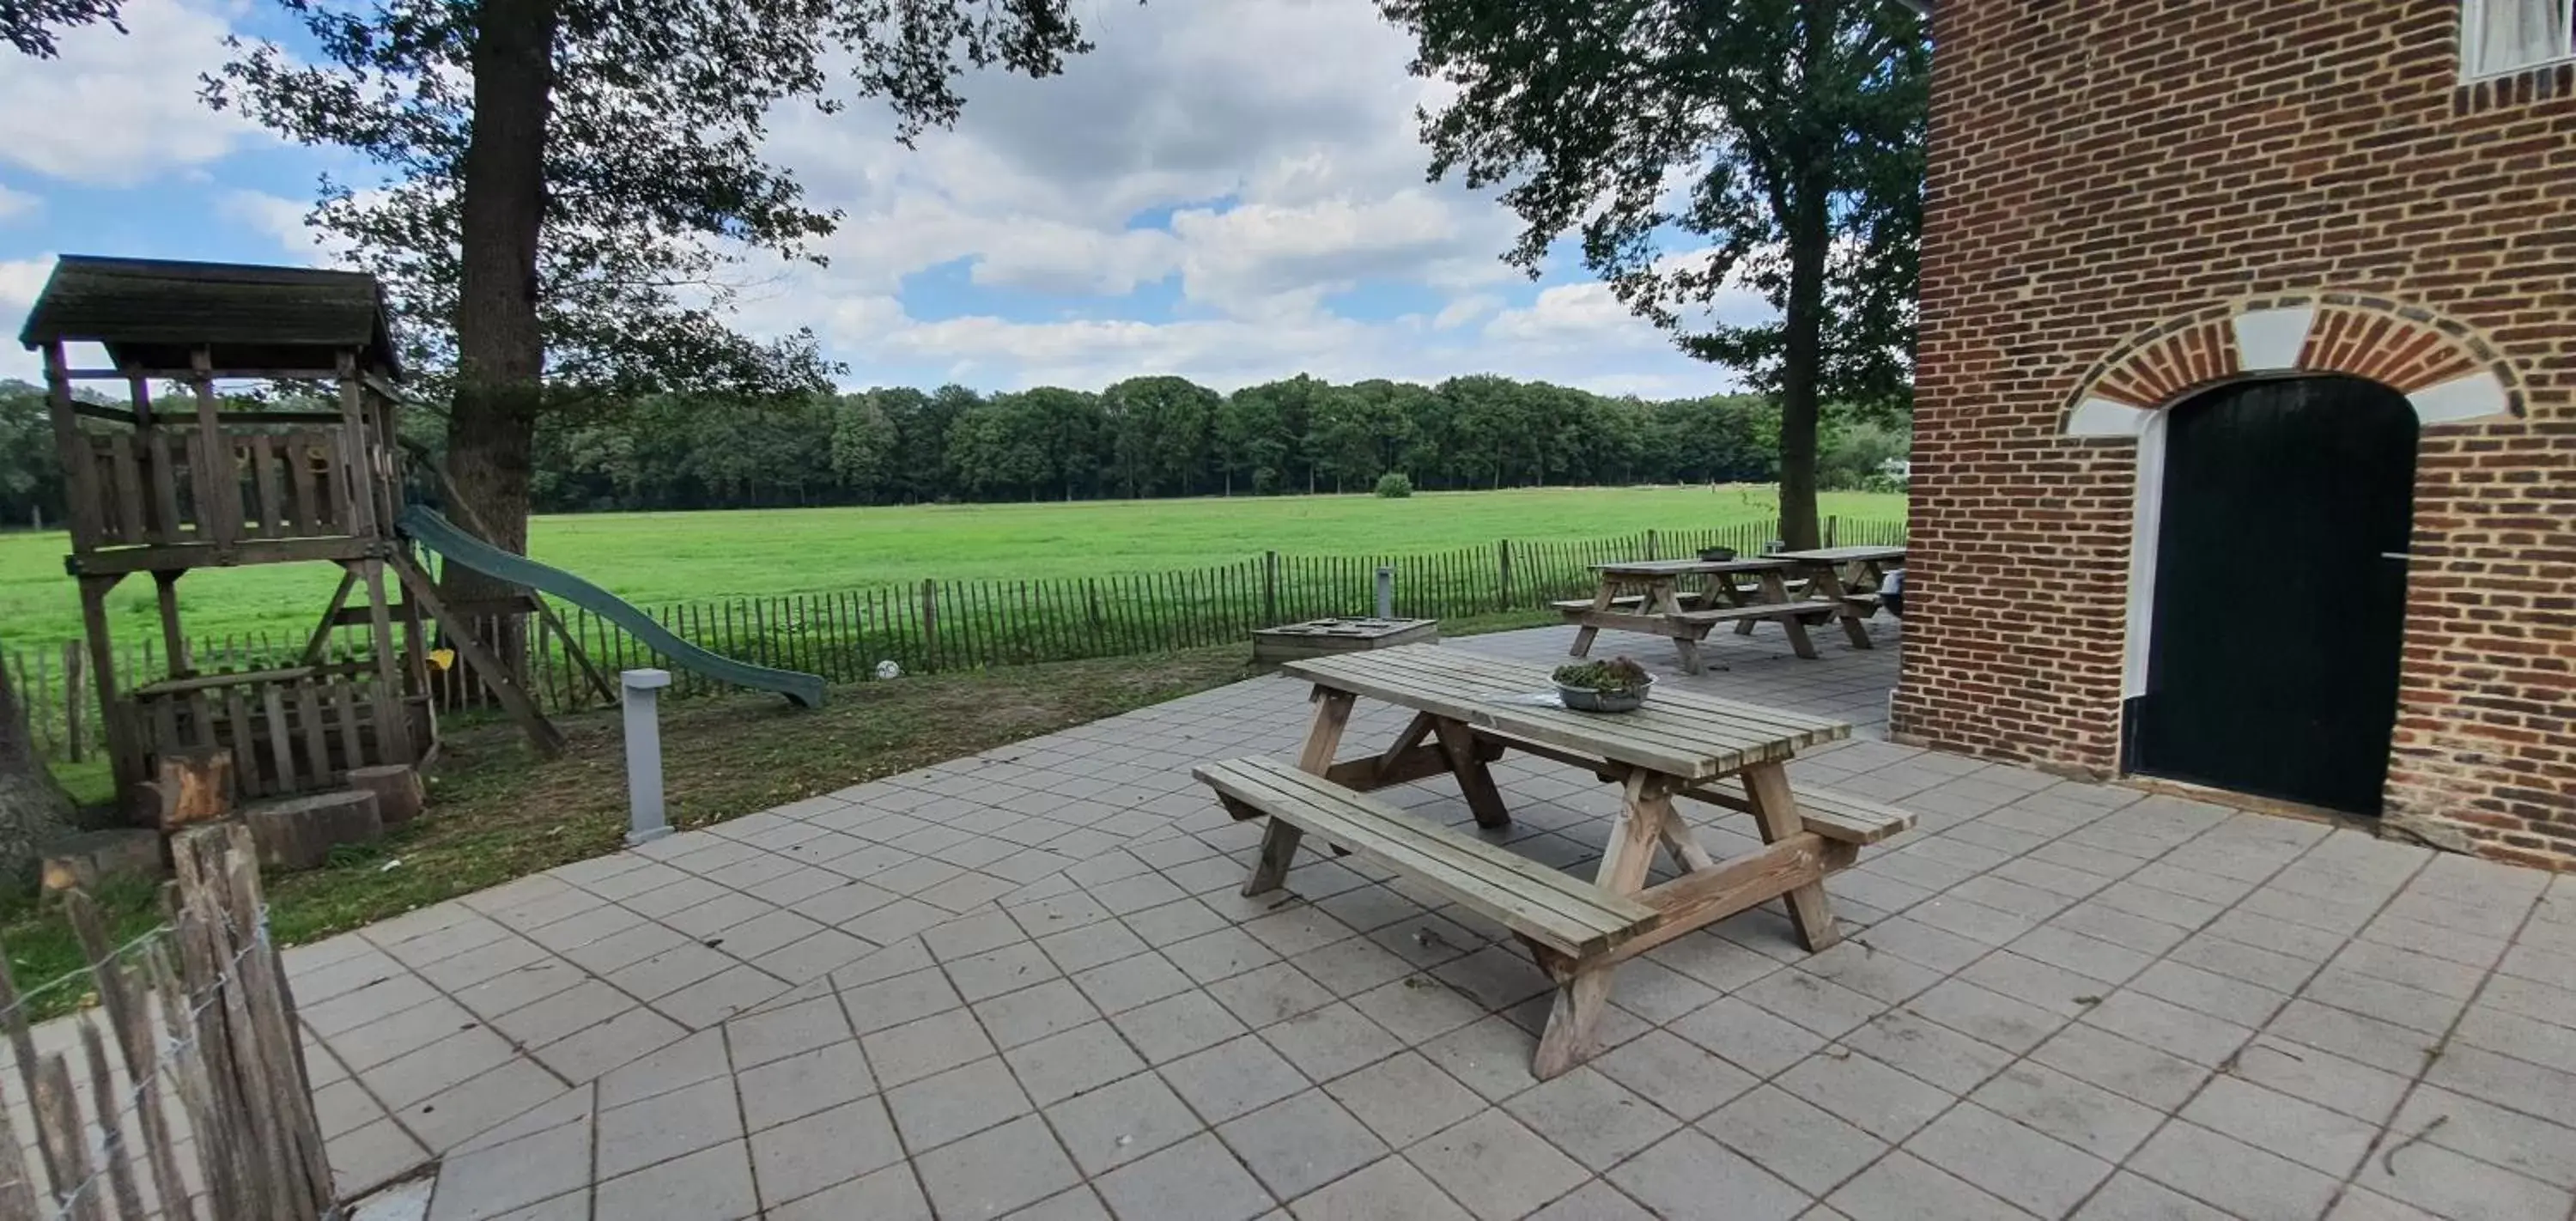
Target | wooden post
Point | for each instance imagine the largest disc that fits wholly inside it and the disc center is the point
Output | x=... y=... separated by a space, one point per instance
x=1831 y=521
x=1503 y=600
x=218 y=484
x=124 y=752
x=393 y=732
x=356 y=451
x=74 y=723
x=174 y=643
x=1269 y=587
x=71 y=447
x=1653 y=539
x=930 y=620
x=541 y=733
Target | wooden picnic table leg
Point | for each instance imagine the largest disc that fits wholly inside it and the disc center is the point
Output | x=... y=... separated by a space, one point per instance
x=1583 y=989
x=1662 y=598
x=1582 y=993
x=1775 y=810
x=1776 y=591
x=1853 y=630
x=1602 y=599
x=1323 y=738
x=1475 y=780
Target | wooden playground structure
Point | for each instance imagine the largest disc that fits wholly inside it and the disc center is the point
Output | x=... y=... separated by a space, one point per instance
x=162 y=489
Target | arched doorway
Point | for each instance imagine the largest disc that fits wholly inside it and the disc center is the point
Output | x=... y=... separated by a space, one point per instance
x=2279 y=602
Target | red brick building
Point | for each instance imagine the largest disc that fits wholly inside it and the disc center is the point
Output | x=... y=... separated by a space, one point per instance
x=2245 y=436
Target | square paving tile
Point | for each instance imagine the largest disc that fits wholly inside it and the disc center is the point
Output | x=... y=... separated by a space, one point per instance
x=2087 y=1116
x=1494 y=1166
x=1390 y=1190
x=1232 y=1078
x=2013 y=1161
x=665 y=1126
x=996 y=1171
x=1197 y=1178
x=1299 y=1144
x=1405 y=1098
x=1591 y=1117
x=802 y=1084
x=489 y=1182
x=1877 y=1099
x=920 y=1048
x=1177 y=1025
x=709 y=1185
x=1680 y=1076
x=1062 y=1065
x=1688 y=1177
x=1793 y=1139
x=2230 y=1174
x=891 y=1194
x=1122 y=1121
x=1328 y=1042
x=803 y=1156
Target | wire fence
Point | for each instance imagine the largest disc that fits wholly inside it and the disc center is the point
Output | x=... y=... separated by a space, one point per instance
x=204 y=1106
x=936 y=626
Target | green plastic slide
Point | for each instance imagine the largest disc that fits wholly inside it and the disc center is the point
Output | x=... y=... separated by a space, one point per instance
x=426 y=527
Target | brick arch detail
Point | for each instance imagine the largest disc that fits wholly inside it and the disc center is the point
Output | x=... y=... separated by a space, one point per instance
x=2446 y=370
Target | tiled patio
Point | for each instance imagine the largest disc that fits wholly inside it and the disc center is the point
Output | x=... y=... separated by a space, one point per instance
x=1022 y=985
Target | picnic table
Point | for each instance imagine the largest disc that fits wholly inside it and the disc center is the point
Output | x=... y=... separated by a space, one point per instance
x=1647 y=596
x=1470 y=710
x=1847 y=579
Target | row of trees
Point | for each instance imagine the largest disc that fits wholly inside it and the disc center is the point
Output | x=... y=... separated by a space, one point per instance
x=1144 y=437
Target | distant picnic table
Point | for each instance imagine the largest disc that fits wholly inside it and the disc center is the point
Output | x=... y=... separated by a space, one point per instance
x=1468 y=711
x=1648 y=596
x=1847 y=579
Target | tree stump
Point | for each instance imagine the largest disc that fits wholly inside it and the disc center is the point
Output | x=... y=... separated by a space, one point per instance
x=194 y=786
x=397 y=787
x=83 y=861
x=299 y=832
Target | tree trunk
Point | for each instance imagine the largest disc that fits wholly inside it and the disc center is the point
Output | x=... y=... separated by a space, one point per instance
x=501 y=355
x=1801 y=366
x=34 y=809
x=500 y=349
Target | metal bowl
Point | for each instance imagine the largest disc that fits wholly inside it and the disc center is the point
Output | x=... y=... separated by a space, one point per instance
x=1585 y=699
x=1717 y=555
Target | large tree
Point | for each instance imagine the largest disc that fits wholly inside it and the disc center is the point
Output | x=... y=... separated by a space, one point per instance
x=1692 y=146
x=571 y=187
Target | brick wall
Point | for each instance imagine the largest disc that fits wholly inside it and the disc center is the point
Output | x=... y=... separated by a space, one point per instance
x=2104 y=170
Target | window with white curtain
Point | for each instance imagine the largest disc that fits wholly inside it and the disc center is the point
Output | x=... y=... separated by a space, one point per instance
x=2499 y=36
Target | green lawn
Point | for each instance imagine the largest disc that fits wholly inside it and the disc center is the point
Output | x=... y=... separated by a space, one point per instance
x=668 y=557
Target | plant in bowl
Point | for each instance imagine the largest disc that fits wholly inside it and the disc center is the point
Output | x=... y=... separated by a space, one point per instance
x=1616 y=685
x=1717 y=555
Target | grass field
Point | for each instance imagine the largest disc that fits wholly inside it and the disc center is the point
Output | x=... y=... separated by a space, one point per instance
x=653 y=558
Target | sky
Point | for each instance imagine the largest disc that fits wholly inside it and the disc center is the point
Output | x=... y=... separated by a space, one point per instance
x=1229 y=190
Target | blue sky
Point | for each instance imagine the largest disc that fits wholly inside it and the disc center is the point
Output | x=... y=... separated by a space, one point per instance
x=1226 y=189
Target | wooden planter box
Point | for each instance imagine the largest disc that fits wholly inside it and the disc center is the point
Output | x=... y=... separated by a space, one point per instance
x=1315 y=638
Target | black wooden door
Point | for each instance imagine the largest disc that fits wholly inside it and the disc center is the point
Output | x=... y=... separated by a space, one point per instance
x=2280 y=596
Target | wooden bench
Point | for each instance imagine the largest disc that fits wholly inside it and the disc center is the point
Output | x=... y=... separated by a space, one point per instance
x=1553 y=909
x=1632 y=603
x=1831 y=815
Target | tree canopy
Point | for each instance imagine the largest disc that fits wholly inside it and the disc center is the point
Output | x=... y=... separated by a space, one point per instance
x=1692 y=148
x=573 y=189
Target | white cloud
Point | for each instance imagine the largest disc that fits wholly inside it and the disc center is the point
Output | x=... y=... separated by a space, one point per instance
x=121 y=109
x=20 y=281
x=17 y=205
x=1261 y=154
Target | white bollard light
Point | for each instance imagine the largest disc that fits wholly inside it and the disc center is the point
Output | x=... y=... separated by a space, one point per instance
x=646 y=820
x=1386 y=593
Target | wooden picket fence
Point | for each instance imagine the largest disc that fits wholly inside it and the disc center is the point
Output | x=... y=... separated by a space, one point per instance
x=937 y=626
x=204 y=1108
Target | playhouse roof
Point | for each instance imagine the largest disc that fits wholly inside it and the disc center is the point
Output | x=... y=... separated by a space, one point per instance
x=152 y=313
